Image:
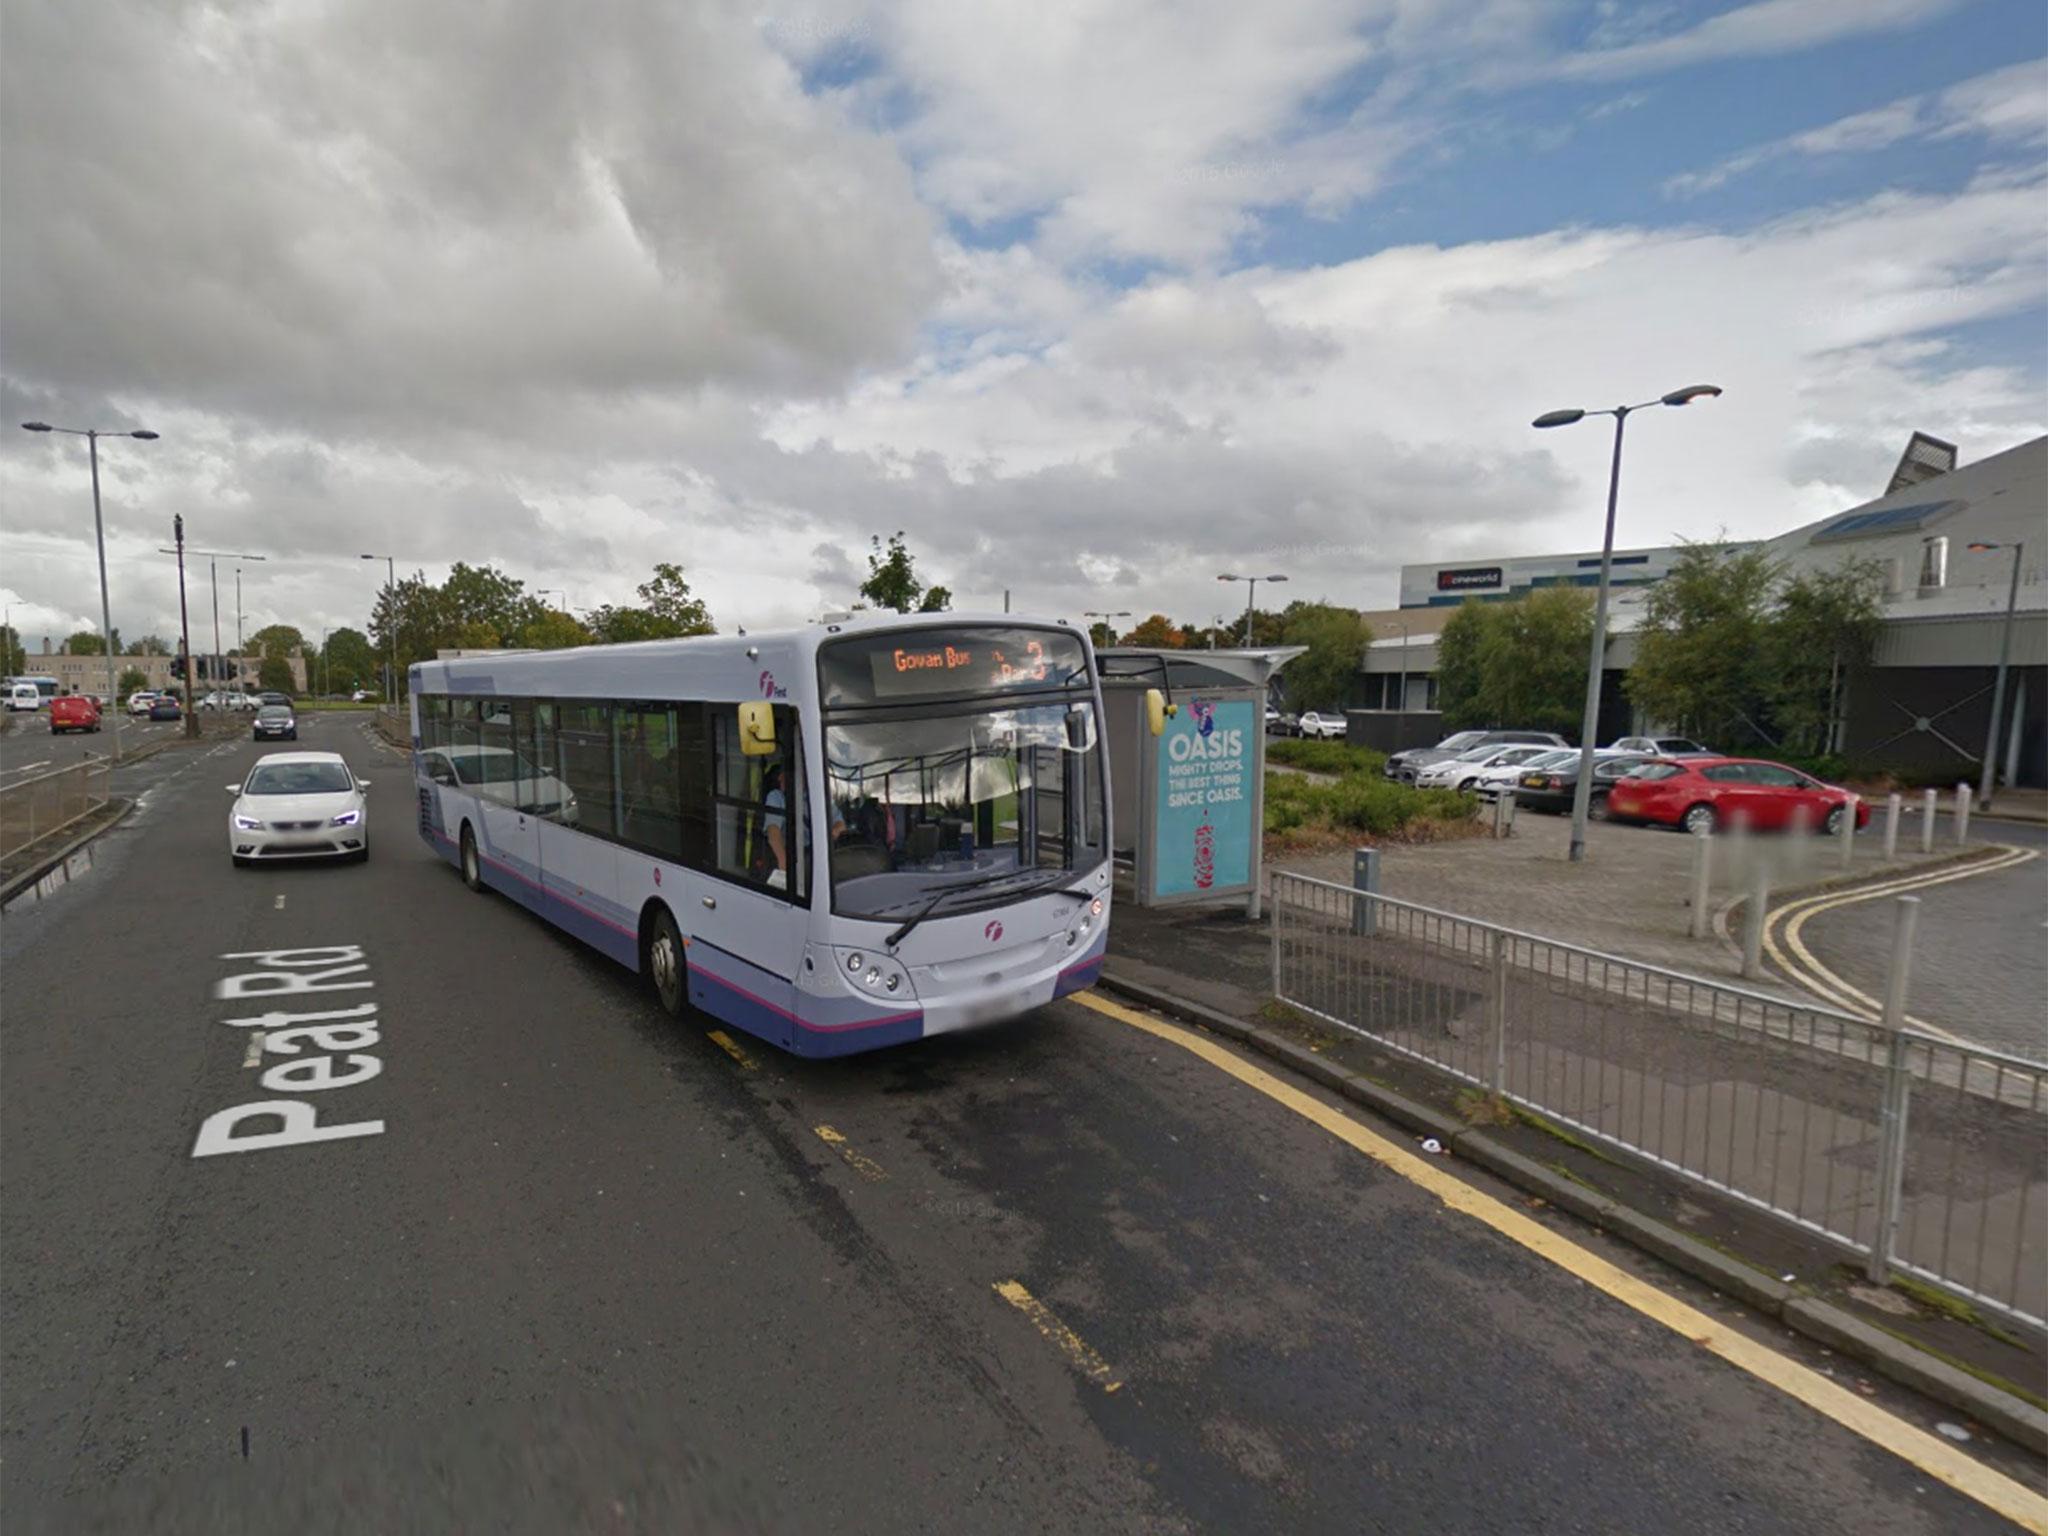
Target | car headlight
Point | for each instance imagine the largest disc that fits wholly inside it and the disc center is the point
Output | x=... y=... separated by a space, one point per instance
x=247 y=823
x=346 y=819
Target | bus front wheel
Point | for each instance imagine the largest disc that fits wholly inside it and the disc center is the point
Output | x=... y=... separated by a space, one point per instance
x=472 y=869
x=666 y=968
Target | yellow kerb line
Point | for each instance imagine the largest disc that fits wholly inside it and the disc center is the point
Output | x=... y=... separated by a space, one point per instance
x=1069 y=1343
x=866 y=1167
x=724 y=1042
x=1931 y=1454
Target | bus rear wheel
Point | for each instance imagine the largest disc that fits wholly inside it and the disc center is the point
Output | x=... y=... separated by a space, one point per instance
x=472 y=868
x=667 y=972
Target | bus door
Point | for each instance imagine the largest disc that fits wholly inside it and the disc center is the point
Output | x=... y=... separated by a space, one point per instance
x=511 y=836
x=749 y=917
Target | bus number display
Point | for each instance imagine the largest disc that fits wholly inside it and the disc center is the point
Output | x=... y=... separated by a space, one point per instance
x=915 y=664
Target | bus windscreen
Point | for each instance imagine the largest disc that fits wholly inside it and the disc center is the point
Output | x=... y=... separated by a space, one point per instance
x=930 y=663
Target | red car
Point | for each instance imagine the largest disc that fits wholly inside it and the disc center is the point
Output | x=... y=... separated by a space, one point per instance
x=1705 y=794
x=74 y=712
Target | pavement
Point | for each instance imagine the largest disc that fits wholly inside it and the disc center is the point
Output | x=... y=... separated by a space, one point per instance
x=593 y=1272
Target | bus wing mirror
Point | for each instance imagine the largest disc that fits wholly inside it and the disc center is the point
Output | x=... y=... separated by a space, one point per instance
x=1157 y=710
x=234 y=789
x=757 y=727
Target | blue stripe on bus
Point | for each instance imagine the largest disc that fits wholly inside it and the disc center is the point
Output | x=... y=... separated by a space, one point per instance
x=1086 y=971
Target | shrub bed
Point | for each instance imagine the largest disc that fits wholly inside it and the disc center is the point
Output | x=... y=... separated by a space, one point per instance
x=1324 y=756
x=1303 y=811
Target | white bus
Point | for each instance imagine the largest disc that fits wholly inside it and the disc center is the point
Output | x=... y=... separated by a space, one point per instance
x=837 y=838
x=44 y=685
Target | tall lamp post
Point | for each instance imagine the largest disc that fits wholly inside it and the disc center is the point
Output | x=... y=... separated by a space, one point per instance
x=390 y=626
x=1401 y=703
x=92 y=436
x=1121 y=613
x=1589 y=725
x=213 y=559
x=2012 y=602
x=1251 y=592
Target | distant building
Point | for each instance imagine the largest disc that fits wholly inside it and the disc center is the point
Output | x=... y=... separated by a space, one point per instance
x=1922 y=705
x=88 y=674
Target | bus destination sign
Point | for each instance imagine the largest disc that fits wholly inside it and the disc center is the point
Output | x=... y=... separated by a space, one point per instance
x=924 y=663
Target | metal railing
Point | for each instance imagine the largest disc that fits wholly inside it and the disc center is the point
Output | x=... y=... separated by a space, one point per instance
x=1912 y=1152
x=32 y=809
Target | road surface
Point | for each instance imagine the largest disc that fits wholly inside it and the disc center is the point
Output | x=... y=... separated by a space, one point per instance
x=595 y=1273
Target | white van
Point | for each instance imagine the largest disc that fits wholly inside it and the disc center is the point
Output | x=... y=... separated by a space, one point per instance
x=23 y=696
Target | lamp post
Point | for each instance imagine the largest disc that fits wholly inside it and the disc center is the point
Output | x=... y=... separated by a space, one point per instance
x=390 y=626
x=1589 y=724
x=213 y=559
x=1251 y=592
x=1121 y=613
x=1401 y=705
x=92 y=436
x=1989 y=781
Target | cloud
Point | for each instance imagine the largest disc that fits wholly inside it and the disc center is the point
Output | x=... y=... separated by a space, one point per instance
x=1764 y=28
x=2006 y=106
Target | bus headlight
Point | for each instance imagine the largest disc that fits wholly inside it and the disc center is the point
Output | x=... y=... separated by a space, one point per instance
x=856 y=962
x=867 y=972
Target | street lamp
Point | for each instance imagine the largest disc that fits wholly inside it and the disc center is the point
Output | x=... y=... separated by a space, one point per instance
x=1589 y=725
x=1989 y=780
x=390 y=625
x=1251 y=592
x=1121 y=613
x=92 y=436
x=214 y=558
x=1401 y=704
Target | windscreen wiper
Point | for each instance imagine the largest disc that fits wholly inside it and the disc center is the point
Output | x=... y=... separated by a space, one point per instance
x=929 y=907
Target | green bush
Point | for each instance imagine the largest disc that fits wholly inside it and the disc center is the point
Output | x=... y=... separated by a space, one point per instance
x=1324 y=756
x=1359 y=803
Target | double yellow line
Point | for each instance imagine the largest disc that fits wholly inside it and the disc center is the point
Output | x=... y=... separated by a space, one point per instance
x=1787 y=948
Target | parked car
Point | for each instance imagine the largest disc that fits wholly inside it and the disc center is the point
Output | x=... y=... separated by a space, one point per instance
x=362 y=696
x=1703 y=794
x=165 y=707
x=140 y=700
x=274 y=721
x=1329 y=727
x=1662 y=746
x=23 y=696
x=1281 y=722
x=1553 y=784
x=272 y=696
x=74 y=712
x=1505 y=772
x=1405 y=765
x=299 y=805
x=1462 y=771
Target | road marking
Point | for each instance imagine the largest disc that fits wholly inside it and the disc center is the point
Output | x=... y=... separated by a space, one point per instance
x=1069 y=1343
x=280 y=901
x=866 y=1167
x=725 y=1043
x=1816 y=977
x=26 y=767
x=253 y=1056
x=1931 y=1454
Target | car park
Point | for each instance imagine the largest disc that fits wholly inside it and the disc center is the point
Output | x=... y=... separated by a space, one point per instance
x=74 y=712
x=275 y=722
x=1662 y=746
x=1708 y=794
x=1407 y=764
x=1553 y=784
x=165 y=707
x=1329 y=727
x=1462 y=771
x=299 y=805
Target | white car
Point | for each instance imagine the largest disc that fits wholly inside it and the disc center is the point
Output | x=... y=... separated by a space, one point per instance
x=1462 y=771
x=140 y=700
x=23 y=696
x=497 y=773
x=1506 y=771
x=1661 y=746
x=1328 y=726
x=299 y=805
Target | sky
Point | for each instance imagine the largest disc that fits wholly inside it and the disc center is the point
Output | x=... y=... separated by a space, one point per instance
x=1092 y=301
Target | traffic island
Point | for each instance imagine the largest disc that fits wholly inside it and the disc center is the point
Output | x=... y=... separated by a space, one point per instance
x=1213 y=970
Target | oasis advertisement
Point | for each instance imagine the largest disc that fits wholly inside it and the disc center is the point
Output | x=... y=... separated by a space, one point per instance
x=1204 y=820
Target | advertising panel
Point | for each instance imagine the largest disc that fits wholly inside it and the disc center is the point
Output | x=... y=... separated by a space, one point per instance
x=1205 y=797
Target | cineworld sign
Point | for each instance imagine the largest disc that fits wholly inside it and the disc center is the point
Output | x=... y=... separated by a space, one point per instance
x=1459 y=581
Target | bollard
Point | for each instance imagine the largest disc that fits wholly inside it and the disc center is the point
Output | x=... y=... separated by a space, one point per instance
x=1799 y=844
x=1365 y=879
x=1893 y=804
x=1702 y=881
x=1962 y=814
x=1845 y=834
x=1753 y=921
x=1927 y=822
x=1898 y=1089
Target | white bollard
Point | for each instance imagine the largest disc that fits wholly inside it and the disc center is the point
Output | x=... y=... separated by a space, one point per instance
x=1798 y=845
x=1702 y=881
x=1845 y=835
x=1927 y=821
x=1894 y=803
x=1754 y=919
x=1962 y=814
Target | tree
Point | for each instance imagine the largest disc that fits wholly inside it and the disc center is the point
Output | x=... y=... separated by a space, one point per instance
x=1158 y=632
x=16 y=658
x=276 y=676
x=1102 y=633
x=669 y=612
x=1826 y=623
x=348 y=663
x=150 y=645
x=936 y=600
x=892 y=576
x=87 y=643
x=554 y=631
x=276 y=640
x=481 y=608
x=1520 y=663
x=1701 y=663
x=1336 y=639
x=132 y=680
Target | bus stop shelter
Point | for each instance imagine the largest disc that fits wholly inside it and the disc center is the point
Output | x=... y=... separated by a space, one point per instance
x=1188 y=806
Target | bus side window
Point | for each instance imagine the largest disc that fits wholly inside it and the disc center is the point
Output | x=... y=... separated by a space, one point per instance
x=583 y=762
x=650 y=781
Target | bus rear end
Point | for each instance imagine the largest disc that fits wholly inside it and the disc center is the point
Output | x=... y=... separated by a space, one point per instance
x=967 y=822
